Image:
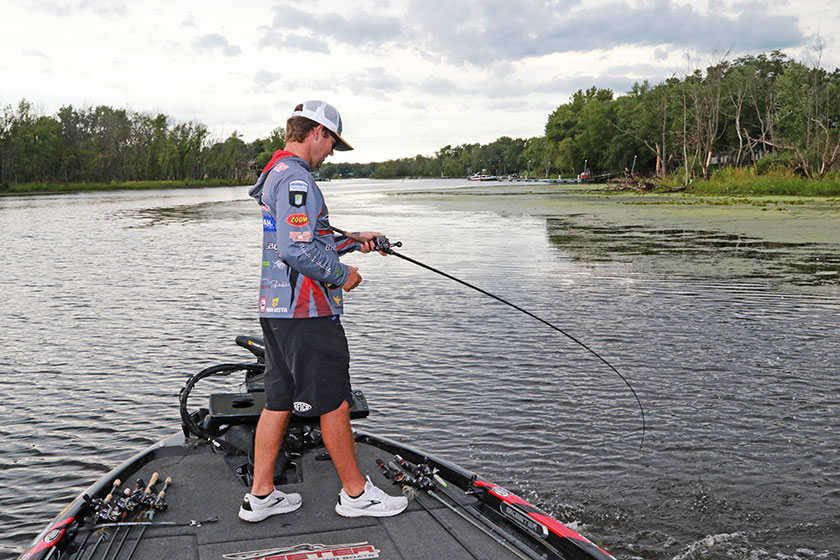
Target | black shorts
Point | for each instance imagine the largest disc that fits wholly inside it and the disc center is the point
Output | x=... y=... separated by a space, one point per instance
x=307 y=365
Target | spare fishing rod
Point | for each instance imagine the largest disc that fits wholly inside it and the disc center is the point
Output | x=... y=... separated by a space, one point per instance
x=383 y=245
x=416 y=478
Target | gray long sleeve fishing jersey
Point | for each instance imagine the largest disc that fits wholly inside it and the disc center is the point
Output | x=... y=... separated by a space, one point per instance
x=301 y=272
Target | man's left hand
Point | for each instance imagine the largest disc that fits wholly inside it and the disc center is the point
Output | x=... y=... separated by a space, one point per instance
x=368 y=245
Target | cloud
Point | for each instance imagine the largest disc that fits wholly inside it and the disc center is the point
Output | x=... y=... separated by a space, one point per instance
x=491 y=33
x=213 y=41
x=189 y=21
x=264 y=78
x=296 y=29
x=105 y=8
x=33 y=52
x=292 y=42
x=374 y=80
x=436 y=86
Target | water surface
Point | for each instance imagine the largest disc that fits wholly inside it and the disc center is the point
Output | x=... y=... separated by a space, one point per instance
x=729 y=335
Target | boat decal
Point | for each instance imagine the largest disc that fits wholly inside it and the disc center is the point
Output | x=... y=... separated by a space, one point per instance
x=522 y=519
x=48 y=538
x=536 y=515
x=307 y=551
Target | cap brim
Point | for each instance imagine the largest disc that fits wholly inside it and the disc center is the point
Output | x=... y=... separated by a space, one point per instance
x=341 y=145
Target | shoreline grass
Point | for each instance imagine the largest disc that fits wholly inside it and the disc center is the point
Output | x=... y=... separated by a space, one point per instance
x=745 y=182
x=60 y=188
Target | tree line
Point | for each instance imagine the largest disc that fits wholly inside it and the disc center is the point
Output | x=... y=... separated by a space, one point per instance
x=765 y=111
x=102 y=144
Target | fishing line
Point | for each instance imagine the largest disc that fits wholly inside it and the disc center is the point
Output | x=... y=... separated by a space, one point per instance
x=382 y=244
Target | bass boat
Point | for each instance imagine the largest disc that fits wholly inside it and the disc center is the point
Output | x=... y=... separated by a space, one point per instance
x=179 y=498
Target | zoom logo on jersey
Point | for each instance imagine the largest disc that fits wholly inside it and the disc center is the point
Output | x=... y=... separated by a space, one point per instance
x=297 y=220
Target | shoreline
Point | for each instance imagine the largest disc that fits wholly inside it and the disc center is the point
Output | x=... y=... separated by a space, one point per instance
x=777 y=219
x=751 y=189
x=33 y=189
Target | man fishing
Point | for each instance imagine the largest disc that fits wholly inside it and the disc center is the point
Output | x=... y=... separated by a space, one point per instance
x=306 y=355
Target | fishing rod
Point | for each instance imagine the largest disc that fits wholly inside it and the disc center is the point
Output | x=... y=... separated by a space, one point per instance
x=415 y=478
x=383 y=245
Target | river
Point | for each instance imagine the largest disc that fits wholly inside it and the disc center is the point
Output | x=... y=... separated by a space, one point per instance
x=724 y=318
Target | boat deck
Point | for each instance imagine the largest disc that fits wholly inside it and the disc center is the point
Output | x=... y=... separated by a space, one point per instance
x=205 y=485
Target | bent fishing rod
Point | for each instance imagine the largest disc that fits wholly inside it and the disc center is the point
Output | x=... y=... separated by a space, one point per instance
x=383 y=245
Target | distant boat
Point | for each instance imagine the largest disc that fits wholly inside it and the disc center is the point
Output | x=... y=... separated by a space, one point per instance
x=478 y=177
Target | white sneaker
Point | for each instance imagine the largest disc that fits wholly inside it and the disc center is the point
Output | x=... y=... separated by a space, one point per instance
x=255 y=509
x=372 y=503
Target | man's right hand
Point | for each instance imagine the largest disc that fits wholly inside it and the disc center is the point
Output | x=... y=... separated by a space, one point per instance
x=353 y=278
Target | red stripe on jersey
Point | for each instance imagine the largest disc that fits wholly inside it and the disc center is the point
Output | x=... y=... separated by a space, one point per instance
x=278 y=155
x=302 y=304
x=322 y=306
x=345 y=244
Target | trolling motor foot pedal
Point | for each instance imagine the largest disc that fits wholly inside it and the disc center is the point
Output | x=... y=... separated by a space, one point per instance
x=230 y=409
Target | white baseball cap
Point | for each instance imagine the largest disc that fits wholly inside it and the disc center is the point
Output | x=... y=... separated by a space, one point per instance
x=325 y=114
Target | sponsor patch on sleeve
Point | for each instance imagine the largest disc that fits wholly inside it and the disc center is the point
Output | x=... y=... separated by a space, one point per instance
x=299 y=186
x=280 y=167
x=297 y=193
x=269 y=224
x=303 y=236
x=297 y=220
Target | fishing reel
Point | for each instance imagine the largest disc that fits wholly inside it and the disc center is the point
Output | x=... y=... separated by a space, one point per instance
x=381 y=243
x=413 y=478
x=114 y=508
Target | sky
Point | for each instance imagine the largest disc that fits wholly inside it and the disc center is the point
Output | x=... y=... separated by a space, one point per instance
x=408 y=77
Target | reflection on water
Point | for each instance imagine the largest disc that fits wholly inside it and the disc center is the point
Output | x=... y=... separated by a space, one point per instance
x=110 y=300
x=806 y=264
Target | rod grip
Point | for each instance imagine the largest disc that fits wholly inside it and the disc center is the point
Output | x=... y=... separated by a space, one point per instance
x=152 y=481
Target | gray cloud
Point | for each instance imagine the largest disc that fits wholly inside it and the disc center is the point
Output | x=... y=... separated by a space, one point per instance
x=618 y=79
x=296 y=29
x=436 y=86
x=483 y=32
x=293 y=42
x=33 y=52
x=491 y=32
x=376 y=81
x=213 y=41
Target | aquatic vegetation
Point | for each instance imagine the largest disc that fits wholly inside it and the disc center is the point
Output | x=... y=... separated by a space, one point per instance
x=745 y=181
